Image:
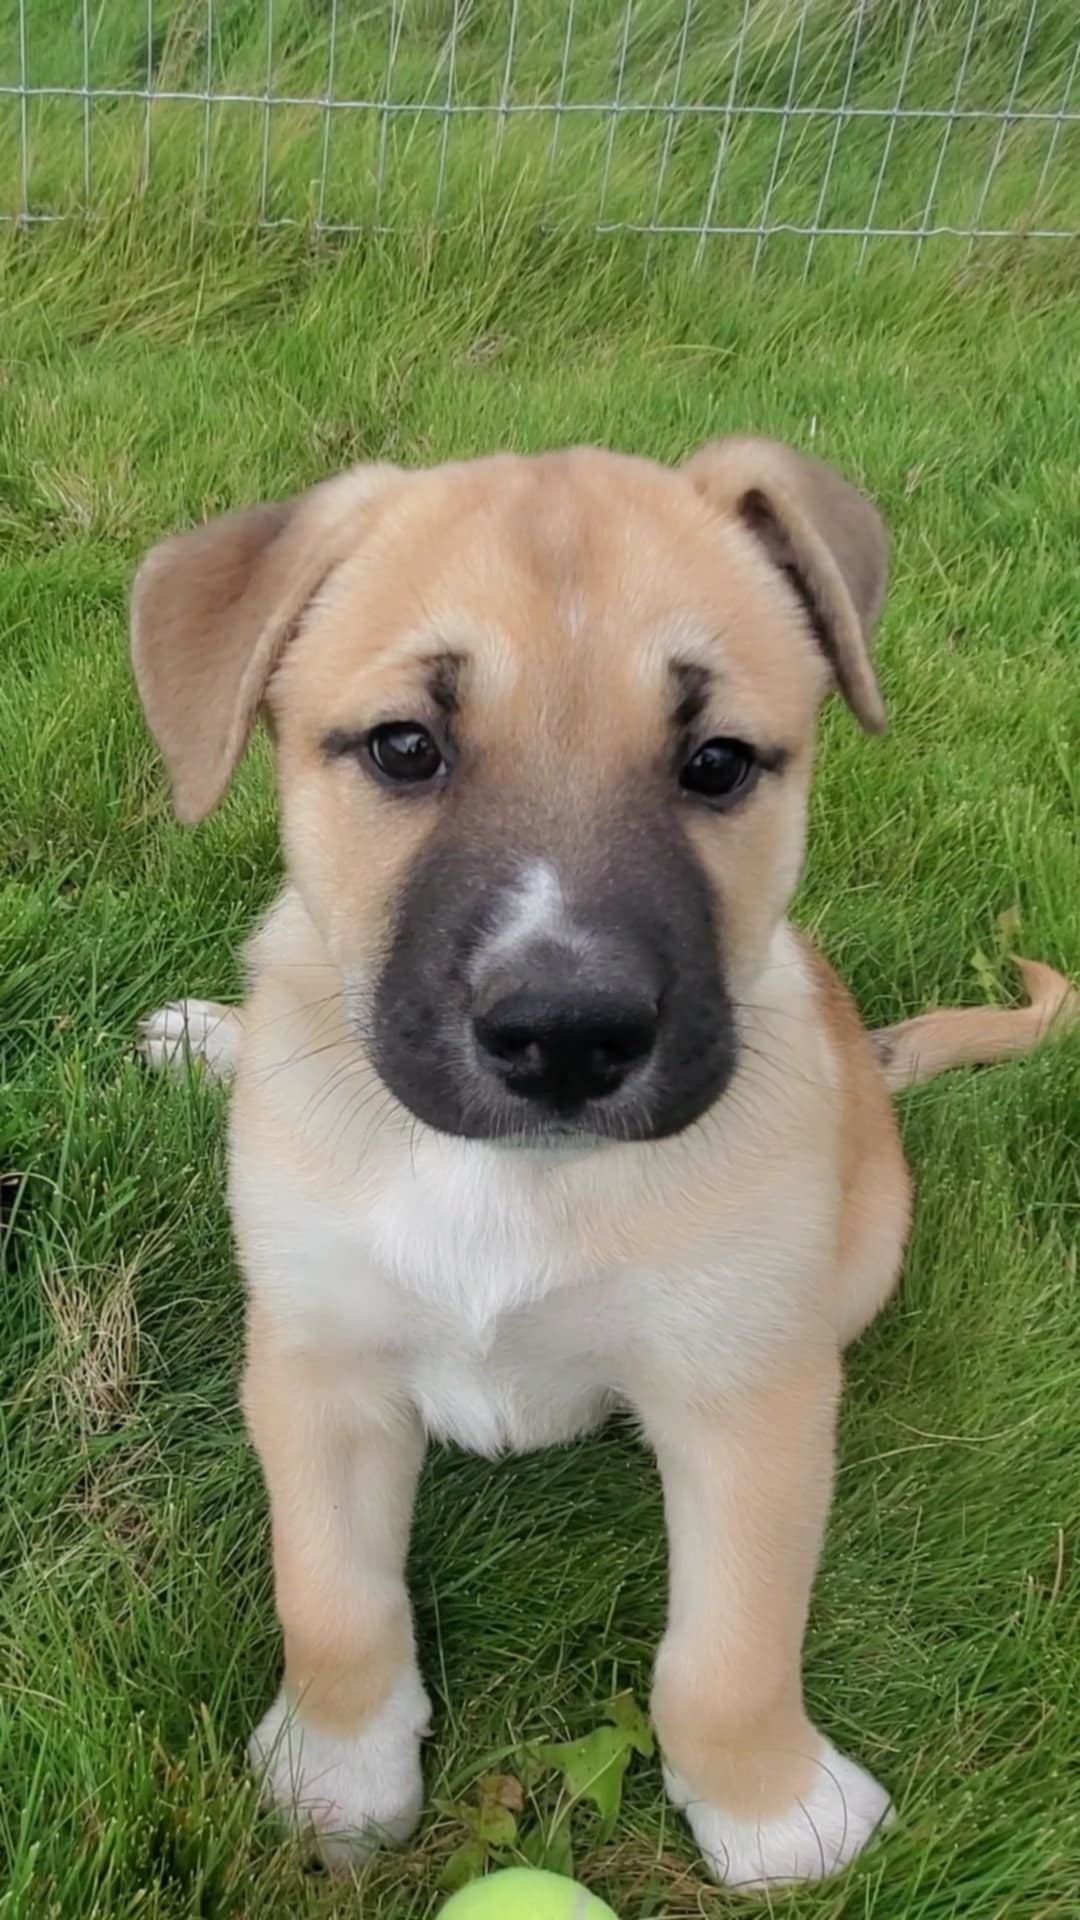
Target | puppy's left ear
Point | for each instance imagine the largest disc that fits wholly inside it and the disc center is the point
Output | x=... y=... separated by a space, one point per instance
x=826 y=539
x=212 y=612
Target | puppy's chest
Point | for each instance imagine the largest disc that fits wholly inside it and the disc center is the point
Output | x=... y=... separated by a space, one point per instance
x=508 y=1332
x=524 y=1383
x=513 y=1321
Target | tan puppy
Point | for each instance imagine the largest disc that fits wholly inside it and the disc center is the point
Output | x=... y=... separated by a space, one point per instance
x=541 y=1106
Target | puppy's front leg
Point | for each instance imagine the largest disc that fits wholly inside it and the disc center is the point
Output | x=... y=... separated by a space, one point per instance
x=747 y=1488
x=340 y=1747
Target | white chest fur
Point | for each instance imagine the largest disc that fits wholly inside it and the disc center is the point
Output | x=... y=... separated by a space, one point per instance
x=514 y=1322
x=465 y=1265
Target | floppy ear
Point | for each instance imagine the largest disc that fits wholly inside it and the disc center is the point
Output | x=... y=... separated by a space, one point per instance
x=823 y=536
x=211 y=613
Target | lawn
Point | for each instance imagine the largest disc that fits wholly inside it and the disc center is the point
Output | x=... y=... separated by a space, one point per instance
x=153 y=369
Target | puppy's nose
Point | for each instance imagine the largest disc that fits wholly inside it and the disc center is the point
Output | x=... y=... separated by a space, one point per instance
x=564 y=1048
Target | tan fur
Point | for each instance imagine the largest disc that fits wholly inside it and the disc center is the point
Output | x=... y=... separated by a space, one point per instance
x=872 y=1177
x=747 y=1492
x=562 y=586
x=804 y=513
x=475 y=553
x=212 y=610
x=327 y=1437
x=916 y=1050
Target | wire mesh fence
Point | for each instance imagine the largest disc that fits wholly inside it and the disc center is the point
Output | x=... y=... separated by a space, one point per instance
x=870 y=120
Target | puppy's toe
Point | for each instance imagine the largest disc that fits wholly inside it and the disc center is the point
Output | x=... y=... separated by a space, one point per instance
x=188 y=1030
x=351 y=1792
x=815 y=1837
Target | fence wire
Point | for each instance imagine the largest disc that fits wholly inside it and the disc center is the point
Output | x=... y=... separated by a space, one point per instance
x=867 y=120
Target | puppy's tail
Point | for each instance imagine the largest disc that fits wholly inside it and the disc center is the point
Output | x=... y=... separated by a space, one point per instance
x=916 y=1050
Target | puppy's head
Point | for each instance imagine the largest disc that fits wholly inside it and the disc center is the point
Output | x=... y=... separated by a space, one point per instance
x=544 y=730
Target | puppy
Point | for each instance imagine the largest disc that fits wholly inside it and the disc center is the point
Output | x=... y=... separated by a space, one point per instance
x=541 y=1106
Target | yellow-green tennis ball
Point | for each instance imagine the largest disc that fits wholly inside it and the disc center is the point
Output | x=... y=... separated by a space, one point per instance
x=524 y=1893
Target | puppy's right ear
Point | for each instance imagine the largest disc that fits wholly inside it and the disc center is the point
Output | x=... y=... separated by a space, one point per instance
x=212 y=612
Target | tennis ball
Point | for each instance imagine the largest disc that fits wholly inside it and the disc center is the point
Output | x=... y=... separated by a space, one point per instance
x=524 y=1893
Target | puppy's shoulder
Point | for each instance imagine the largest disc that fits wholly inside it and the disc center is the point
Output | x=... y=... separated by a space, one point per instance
x=874 y=1185
x=833 y=1002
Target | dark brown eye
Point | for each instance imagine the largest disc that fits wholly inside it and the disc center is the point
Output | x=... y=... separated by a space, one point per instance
x=404 y=752
x=721 y=771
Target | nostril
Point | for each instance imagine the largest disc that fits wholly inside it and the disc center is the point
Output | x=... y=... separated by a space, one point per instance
x=621 y=1043
x=508 y=1040
x=506 y=1029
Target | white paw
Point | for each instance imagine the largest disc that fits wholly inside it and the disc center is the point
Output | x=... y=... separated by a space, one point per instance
x=187 y=1030
x=817 y=1835
x=355 y=1790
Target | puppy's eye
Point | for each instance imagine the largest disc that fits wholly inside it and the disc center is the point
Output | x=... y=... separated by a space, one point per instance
x=404 y=752
x=721 y=771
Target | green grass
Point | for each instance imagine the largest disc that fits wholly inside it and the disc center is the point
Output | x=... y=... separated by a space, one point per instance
x=239 y=160
x=150 y=372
